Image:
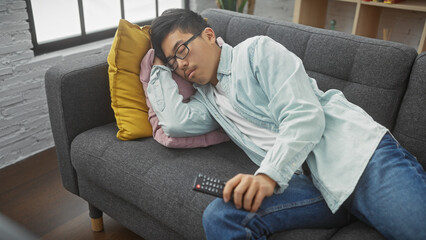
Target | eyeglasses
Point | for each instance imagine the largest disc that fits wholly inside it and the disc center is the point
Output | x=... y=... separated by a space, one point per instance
x=181 y=52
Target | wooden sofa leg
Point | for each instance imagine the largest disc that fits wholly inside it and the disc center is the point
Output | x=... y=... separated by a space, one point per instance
x=96 y=218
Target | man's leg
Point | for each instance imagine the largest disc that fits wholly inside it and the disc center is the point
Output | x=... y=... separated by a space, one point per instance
x=391 y=194
x=300 y=206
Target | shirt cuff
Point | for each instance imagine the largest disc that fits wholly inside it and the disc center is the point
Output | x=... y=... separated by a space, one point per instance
x=281 y=180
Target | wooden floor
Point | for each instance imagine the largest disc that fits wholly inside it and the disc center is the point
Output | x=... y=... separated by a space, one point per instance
x=32 y=195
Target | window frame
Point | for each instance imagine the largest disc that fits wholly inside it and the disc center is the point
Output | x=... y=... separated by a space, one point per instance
x=84 y=37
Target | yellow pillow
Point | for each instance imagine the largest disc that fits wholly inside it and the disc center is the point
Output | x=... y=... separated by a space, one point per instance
x=130 y=45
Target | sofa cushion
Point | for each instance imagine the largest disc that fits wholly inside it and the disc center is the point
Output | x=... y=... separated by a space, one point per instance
x=371 y=73
x=357 y=230
x=305 y=234
x=410 y=129
x=156 y=179
x=130 y=44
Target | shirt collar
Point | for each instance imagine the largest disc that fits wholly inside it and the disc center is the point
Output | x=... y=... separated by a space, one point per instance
x=225 y=61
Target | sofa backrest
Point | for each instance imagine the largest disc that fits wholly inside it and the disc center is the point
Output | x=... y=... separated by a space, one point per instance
x=410 y=128
x=371 y=73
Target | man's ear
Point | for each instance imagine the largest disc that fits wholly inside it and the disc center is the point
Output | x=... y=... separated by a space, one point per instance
x=211 y=36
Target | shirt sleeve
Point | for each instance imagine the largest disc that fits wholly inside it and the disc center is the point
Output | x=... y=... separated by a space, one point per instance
x=177 y=119
x=292 y=104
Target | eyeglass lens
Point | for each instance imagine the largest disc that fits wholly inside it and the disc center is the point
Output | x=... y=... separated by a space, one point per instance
x=181 y=53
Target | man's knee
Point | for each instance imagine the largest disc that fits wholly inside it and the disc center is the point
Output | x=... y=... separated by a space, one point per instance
x=223 y=221
x=213 y=213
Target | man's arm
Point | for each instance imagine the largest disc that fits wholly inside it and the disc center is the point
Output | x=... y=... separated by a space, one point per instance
x=294 y=106
x=177 y=119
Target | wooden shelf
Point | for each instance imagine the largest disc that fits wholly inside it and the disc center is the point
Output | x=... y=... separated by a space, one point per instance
x=413 y=5
x=312 y=12
x=351 y=1
x=367 y=15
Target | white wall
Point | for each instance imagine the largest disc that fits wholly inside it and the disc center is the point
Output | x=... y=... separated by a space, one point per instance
x=24 y=127
x=24 y=121
x=277 y=9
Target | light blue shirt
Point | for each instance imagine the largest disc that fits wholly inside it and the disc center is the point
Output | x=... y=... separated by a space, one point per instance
x=268 y=85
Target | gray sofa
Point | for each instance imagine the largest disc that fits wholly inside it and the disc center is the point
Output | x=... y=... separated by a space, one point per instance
x=147 y=187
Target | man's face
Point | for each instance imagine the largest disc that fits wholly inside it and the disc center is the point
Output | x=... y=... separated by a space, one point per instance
x=201 y=63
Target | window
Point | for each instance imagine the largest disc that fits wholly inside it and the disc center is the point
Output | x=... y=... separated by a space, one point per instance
x=59 y=24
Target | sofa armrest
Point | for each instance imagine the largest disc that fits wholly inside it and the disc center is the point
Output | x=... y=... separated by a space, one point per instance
x=78 y=99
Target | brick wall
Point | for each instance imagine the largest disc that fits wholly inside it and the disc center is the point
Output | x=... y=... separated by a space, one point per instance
x=24 y=121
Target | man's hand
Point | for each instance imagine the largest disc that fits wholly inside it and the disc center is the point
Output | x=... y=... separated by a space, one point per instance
x=249 y=190
x=157 y=61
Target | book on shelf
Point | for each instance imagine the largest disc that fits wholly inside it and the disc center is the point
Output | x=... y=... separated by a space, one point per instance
x=385 y=1
x=393 y=1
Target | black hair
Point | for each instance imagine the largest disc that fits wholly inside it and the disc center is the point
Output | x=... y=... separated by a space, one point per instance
x=172 y=19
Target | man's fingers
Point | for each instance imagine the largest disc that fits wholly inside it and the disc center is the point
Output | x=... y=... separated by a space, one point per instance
x=229 y=186
x=248 y=191
x=250 y=194
x=257 y=201
x=240 y=191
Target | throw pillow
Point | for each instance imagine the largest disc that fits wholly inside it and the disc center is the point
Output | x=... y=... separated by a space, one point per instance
x=186 y=90
x=130 y=44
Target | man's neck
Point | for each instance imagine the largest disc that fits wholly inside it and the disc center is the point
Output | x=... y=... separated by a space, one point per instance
x=214 y=82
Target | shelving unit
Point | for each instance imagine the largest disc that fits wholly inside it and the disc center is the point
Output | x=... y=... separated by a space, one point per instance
x=367 y=15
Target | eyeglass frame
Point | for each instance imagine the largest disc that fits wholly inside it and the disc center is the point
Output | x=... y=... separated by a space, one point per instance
x=175 y=57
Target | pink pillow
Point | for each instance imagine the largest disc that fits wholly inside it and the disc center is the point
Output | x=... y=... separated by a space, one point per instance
x=186 y=90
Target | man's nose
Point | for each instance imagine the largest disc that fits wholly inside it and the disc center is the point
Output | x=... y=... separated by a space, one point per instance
x=182 y=63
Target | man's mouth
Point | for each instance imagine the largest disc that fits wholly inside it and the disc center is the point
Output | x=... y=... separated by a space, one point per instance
x=189 y=73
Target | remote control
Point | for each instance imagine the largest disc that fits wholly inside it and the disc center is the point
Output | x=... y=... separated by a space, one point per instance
x=209 y=185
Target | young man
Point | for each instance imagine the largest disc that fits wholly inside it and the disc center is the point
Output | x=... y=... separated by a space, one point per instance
x=260 y=94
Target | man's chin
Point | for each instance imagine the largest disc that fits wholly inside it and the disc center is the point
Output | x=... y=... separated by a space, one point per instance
x=202 y=82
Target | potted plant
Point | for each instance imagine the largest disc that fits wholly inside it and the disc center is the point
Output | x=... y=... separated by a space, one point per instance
x=236 y=5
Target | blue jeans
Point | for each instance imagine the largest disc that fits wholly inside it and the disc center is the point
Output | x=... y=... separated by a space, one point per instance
x=390 y=196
